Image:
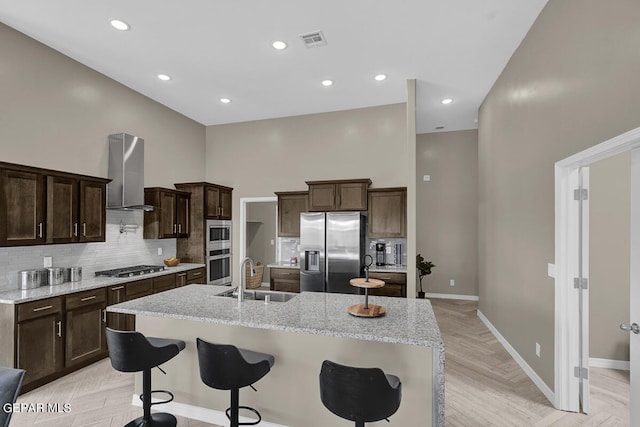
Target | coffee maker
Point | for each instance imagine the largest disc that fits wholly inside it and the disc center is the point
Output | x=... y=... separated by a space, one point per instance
x=381 y=253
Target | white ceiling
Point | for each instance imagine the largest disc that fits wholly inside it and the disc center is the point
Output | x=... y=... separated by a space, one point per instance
x=222 y=48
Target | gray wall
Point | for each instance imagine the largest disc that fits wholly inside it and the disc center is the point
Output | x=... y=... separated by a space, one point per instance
x=571 y=84
x=286 y=152
x=56 y=113
x=609 y=254
x=447 y=210
x=261 y=230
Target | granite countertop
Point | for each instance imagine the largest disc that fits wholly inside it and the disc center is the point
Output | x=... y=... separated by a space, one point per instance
x=283 y=264
x=408 y=321
x=388 y=268
x=19 y=296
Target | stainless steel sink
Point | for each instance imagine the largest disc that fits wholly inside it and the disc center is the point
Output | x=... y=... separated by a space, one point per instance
x=274 y=296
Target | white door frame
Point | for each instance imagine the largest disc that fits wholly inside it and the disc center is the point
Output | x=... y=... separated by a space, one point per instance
x=243 y=220
x=567 y=352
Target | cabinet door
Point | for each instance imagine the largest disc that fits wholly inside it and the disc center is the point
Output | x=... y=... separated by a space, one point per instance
x=168 y=224
x=182 y=215
x=163 y=283
x=351 y=196
x=395 y=284
x=225 y=204
x=284 y=279
x=212 y=202
x=85 y=338
x=22 y=208
x=119 y=321
x=196 y=276
x=322 y=197
x=387 y=213
x=62 y=210
x=290 y=206
x=181 y=279
x=92 y=211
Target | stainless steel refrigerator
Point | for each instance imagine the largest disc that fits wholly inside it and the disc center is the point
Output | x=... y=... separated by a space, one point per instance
x=332 y=245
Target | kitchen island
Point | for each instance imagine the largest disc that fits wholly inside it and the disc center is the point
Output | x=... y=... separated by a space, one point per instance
x=300 y=333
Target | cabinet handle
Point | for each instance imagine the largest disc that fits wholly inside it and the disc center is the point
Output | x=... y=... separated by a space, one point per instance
x=117 y=288
x=84 y=229
x=88 y=298
x=104 y=315
x=75 y=229
x=59 y=328
x=40 y=229
x=46 y=307
x=198 y=274
x=174 y=228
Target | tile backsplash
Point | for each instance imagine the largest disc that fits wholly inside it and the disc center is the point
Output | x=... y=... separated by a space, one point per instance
x=287 y=248
x=121 y=249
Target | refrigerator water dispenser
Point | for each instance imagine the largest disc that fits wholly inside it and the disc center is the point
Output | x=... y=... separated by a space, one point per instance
x=312 y=260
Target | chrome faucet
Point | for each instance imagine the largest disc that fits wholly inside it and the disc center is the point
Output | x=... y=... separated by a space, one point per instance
x=243 y=277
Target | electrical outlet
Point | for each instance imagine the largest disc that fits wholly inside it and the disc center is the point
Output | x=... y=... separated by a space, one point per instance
x=452 y=282
x=538 y=349
x=159 y=251
x=48 y=261
x=273 y=242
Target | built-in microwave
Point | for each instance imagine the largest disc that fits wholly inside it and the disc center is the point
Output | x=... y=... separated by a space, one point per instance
x=219 y=265
x=218 y=233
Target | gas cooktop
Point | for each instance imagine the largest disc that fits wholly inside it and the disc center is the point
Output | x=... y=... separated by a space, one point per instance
x=136 y=270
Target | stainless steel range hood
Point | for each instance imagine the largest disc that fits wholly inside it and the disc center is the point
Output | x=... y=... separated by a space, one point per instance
x=126 y=171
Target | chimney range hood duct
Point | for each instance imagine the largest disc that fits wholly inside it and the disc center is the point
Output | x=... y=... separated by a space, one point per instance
x=126 y=171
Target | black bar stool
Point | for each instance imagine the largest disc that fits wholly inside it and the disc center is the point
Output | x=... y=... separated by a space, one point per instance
x=362 y=395
x=226 y=367
x=131 y=351
x=10 y=382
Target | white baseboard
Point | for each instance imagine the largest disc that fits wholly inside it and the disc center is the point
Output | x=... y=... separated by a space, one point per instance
x=620 y=365
x=452 y=296
x=550 y=395
x=199 y=413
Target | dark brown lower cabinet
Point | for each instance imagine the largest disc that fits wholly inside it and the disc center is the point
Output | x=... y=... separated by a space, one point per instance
x=164 y=283
x=85 y=327
x=39 y=339
x=197 y=276
x=119 y=321
x=395 y=284
x=285 y=279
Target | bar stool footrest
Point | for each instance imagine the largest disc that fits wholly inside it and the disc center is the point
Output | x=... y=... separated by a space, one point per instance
x=161 y=402
x=248 y=408
x=158 y=419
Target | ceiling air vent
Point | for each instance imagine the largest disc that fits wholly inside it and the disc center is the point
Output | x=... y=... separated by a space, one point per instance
x=314 y=39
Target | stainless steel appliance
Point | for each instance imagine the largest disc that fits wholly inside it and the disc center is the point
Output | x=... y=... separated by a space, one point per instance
x=218 y=262
x=332 y=246
x=381 y=254
x=126 y=170
x=136 y=270
x=218 y=233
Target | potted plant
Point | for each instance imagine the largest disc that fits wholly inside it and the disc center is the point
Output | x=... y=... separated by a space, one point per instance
x=424 y=267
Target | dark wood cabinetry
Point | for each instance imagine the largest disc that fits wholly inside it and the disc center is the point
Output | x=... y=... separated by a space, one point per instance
x=86 y=319
x=164 y=283
x=284 y=279
x=395 y=284
x=42 y=206
x=344 y=195
x=387 y=212
x=120 y=321
x=208 y=201
x=198 y=276
x=170 y=216
x=290 y=205
x=39 y=339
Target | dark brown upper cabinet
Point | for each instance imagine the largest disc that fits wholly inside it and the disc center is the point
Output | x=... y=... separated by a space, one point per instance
x=217 y=202
x=43 y=206
x=170 y=216
x=387 y=212
x=343 y=195
x=290 y=205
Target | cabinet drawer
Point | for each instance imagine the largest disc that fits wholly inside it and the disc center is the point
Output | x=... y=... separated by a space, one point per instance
x=138 y=288
x=390 y=278
x=163 y=283
x=390 y=290
x=31 y=310
x=285 y=273
x=195 y=276
x=91 y=297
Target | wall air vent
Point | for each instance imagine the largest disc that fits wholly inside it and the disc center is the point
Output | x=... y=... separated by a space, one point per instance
x=314 y=39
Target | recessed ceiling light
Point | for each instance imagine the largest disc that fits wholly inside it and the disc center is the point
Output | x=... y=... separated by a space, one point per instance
x=380 y=77
x=279 y=45
x=164 y=77
x=447 y=101
x=327 y=82
x=119 y=25
x=225 y=100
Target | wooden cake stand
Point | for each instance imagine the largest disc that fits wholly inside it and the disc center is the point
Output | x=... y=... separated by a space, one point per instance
x=366 y=309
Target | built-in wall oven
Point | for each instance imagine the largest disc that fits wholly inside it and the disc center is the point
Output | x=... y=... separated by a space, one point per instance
x=218 y=252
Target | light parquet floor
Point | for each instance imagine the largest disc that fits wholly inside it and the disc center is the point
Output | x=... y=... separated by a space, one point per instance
x=484 y=387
